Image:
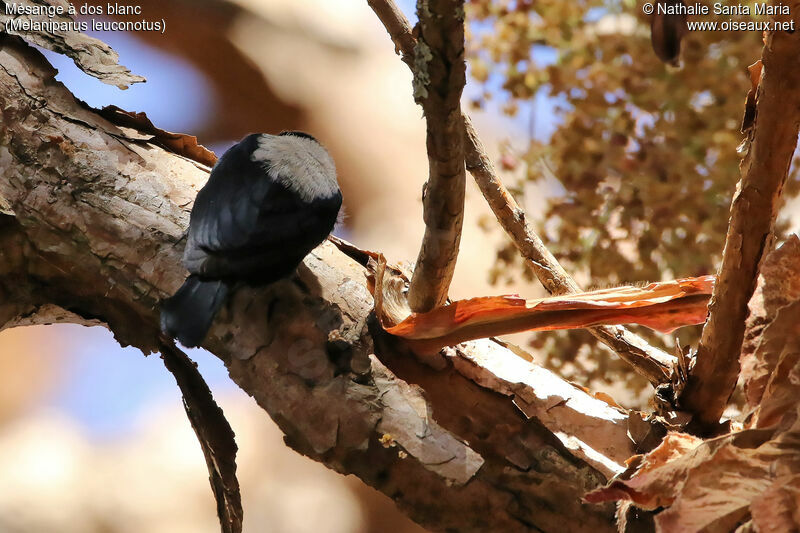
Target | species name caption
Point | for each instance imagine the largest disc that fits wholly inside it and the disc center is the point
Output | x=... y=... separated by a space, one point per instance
x=59 y=18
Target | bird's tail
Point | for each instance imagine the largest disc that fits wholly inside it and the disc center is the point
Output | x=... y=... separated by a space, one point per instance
x=188 y=314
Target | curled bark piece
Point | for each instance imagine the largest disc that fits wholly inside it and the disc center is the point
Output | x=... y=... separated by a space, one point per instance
x=59 y=33
x=662 y=306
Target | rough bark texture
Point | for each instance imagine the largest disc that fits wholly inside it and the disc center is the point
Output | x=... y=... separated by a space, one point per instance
x=439 y=77
x=755 y=206
x=92 y=232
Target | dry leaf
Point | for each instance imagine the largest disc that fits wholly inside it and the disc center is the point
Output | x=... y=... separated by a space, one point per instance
x=777 y=509
x=661 y=306
x=652 y=485
x=771 y=334
x=717 y=484
x=608 y=399
x=780 y=344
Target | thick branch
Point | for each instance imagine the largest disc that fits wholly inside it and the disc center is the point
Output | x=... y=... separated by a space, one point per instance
x=99 y=214
x=439 y=77
x=753 y=212
x=647 y=360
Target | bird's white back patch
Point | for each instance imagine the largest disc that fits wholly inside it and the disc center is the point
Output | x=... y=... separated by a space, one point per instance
x=300 y=164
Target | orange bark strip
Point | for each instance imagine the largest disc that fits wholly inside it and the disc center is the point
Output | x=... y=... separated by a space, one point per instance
x=661 y=306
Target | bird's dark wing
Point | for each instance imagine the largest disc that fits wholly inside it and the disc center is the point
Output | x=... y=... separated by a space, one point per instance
x=243 y=222
x=226 y=208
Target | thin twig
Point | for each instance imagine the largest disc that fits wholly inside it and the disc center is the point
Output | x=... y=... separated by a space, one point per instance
x=647 y=360
x=439 y=78
x=213 y=431
x=398 y=27
x=772 y=141
x=512 y=218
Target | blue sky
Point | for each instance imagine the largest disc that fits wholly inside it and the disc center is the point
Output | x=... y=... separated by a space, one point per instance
x=156 y=96
x=106 y=387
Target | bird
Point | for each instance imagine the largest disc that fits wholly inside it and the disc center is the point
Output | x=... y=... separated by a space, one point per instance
x=269 y=201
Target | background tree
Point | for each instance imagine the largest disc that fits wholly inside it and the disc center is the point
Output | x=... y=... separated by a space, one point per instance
x=644 y=155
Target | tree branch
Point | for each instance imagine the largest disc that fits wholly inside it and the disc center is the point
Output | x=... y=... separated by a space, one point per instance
x=755 y=206
x=439 y=77
x=99 y=211
x=647 y=360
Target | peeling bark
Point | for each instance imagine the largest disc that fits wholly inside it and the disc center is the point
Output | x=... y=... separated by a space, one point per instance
x=91 y=55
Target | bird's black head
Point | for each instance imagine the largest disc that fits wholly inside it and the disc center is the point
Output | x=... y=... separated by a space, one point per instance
x=301 y=134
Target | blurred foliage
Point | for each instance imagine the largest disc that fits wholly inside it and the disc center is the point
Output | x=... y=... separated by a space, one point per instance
x=646 y=153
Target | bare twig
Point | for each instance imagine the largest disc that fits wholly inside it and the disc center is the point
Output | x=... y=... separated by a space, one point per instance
x=772 y=141
x=214 y=433
x=648 y=361
x=512 y=218
x=439 y=77
x=398 y=27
